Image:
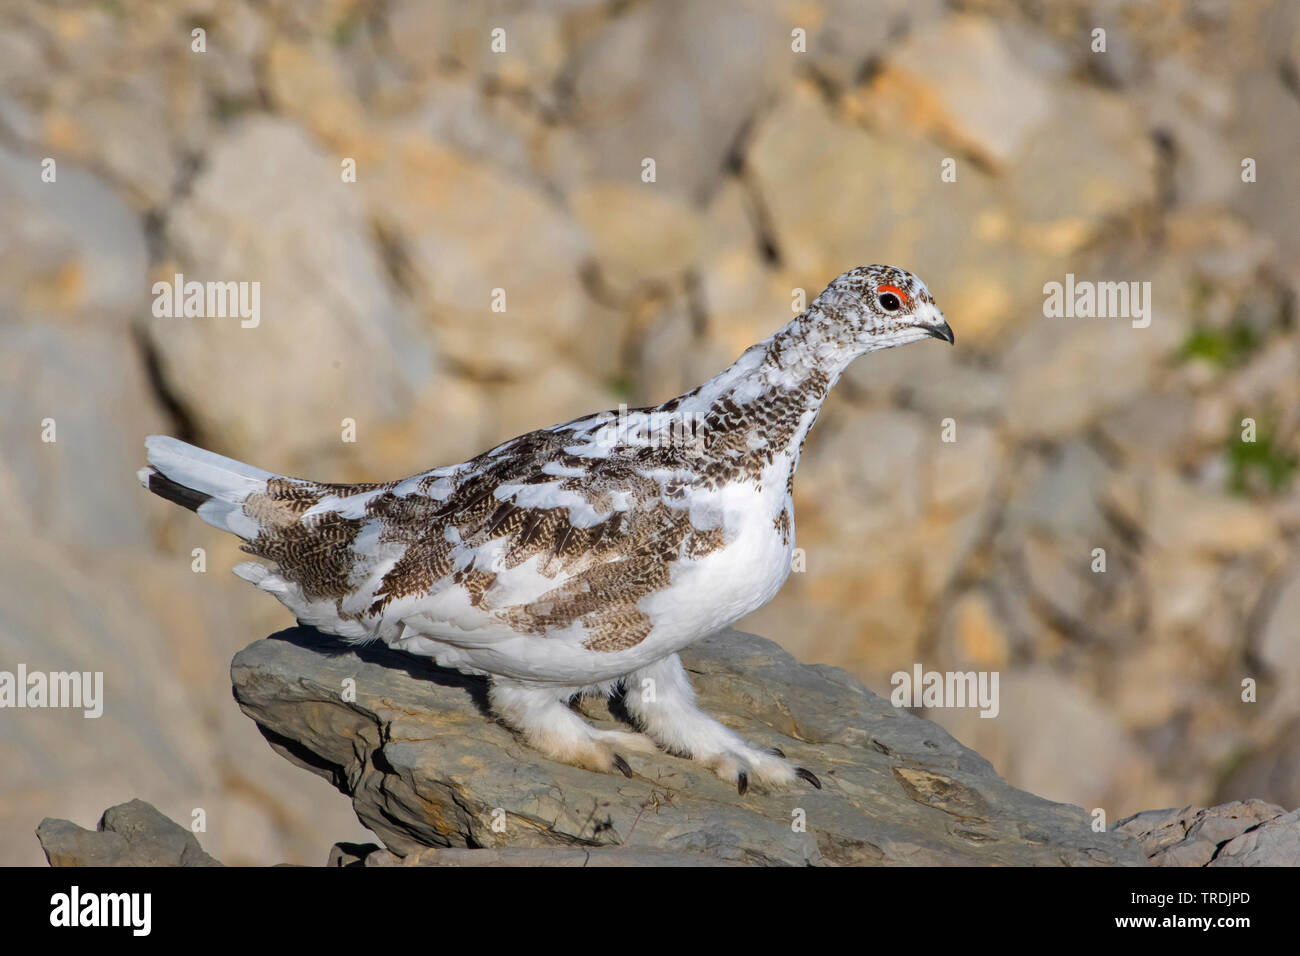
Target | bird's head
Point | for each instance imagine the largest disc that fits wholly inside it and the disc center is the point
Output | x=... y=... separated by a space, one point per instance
x=878 y=307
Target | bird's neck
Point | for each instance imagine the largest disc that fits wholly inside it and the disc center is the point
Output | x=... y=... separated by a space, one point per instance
x=763 y=406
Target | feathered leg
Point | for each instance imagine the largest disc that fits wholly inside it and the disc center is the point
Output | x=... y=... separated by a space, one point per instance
x=542 y=717
x=666 y=710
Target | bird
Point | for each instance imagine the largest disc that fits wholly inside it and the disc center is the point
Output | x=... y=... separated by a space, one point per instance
x=576 y=559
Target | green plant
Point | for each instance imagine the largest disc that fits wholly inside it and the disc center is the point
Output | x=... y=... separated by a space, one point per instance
x=1262 y=464
x=1224 y=347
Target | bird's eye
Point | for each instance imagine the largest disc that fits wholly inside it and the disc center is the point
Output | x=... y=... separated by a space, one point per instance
x=890 y=297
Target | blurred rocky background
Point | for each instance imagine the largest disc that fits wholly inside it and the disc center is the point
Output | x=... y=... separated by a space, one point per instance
x=791 y=141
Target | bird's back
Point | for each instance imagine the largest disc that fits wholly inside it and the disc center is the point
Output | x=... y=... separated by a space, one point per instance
x=561 y=529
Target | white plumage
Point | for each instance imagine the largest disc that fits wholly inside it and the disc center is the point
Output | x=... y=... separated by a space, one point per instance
x=578 y=557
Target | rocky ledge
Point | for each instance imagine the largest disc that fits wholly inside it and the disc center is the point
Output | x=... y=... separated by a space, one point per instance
x=444 y=784
x=129 y=834
x=432 y=773
x=1241 y=833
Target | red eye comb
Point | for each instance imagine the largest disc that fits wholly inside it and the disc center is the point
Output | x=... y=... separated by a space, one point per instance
x=894 y=289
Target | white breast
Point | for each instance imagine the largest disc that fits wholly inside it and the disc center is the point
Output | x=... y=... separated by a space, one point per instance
x=725 y=585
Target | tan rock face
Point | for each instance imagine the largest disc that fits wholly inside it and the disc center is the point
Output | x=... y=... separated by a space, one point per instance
x=59 y=448
x=638 y=233
x=73 y=254
x=714 y=67
x=327 y=314
x=1096 y=530
x=960 y=78
x=1062 y=203
x=507 y=238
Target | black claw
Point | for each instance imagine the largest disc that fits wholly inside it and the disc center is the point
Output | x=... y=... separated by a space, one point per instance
x=742 y=783
x=626 y=771
x=809 y=776
x=778 y=752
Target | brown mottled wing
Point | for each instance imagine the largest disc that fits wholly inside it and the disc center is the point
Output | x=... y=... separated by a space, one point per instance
x=601 y=571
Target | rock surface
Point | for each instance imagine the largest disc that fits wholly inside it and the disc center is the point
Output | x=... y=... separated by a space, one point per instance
x=1242 y=833
x=425 y=767
x=524 y=171
x=129 y=834
x=524 y=856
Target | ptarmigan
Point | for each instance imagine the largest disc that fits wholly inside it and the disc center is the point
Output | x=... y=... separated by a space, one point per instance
x=579 y=557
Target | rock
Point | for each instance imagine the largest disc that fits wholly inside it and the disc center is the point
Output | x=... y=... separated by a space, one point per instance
x=269 y=207
x=934 y=380
x=1192 y=109
x=920 y=505
x=232 y=66
x=835 y=193
x=133 y=105
x=466 y=230
x=1059 y=494
x=1245 y=833
x=1186 y=598
x=1182 y=518
x=638 y=234
x=427 y=35
x=1266 y=128
x=167 y=728
x=129 y=834
x=77 y=489
x=62 y=617
x=71 y=249
x=1277 y=647
x=877 y=552
x=959 y=78
x=497 y=131
x=1275 y=842
x=1062 y=203
x=1050 y=529
x=1154 y=427
x=1039 y=711
x=307 y=83
x=675 y=355
x=426 y=767
x=537 y=856
x=559 y=392
x=1063 y=374
x=714 y=64
x=1273 y=768
x=974 y=636
x=851 y=36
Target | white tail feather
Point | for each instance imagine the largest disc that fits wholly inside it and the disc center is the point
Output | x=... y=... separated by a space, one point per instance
x=203 y=470
x=225 y=481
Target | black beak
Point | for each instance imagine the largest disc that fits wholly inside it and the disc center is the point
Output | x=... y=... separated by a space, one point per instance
x=941 y=331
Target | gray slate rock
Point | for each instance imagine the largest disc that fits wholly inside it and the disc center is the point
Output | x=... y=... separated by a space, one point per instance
x=129 y=834
x=539 y=856
x=1241 y=833
x=427 y=766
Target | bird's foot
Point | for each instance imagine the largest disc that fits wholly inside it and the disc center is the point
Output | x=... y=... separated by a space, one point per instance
x=748 y=766
x=598 y=750
x=541 y=716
